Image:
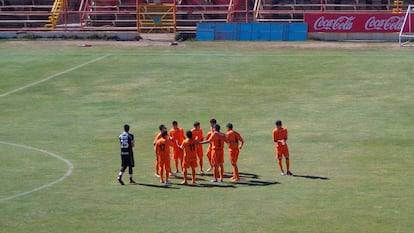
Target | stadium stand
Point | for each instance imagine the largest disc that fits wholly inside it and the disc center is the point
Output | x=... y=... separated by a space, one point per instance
x=24 y=14
x=173 y=15
x=191 y=12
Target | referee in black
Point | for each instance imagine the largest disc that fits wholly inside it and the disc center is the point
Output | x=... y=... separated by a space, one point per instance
x=127 y=142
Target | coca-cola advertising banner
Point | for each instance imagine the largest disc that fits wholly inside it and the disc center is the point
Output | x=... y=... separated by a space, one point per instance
x=367 y=23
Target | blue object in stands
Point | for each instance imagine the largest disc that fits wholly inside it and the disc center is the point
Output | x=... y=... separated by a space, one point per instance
x=226 y=31
x=261 y=31
x=297 y=32
x=252 y=31
x=245 y=31
x=278 y=31
x=157 y=20
x=205 y=31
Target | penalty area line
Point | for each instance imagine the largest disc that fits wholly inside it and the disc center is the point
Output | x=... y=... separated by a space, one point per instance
x=67 y=174
x=53 y=76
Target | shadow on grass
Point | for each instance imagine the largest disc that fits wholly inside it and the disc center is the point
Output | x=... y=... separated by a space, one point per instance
x=256 y=183
x=212 y=185
x=198 y=178
x=164 y=186
x=248 y=175
x=311 y=177
x=247 y=179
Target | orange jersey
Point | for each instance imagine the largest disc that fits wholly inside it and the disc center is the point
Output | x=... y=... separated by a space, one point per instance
x=190 y=149
x=208 y=136
x=197 y=134
x=210 y=133
x=280 y=134
x=217 y=141
x=177 y=135
x=157 y=137
x=233 y=139
x=162 y=149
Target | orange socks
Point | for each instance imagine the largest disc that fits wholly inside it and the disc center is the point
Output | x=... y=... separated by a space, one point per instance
x=280 y=164
x=288 y=164
x=156 y=168
x=185 y=176
x=193 y=174
x=235 y=173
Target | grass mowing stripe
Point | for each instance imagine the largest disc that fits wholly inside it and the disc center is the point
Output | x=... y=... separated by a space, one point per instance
x=53 y=76
x=68 y=172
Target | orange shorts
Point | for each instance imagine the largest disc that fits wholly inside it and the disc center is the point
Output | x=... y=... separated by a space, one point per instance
x=164 y=162
x=282 y=151
x=178 y=154
x=190 y=163
x=217 y=157
x=199 y=151
x=209 y=150
x=234 y=156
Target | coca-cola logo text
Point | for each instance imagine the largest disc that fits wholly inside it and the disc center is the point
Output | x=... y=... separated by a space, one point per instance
x=342 y=23
x=392 y=23
x=355 y=23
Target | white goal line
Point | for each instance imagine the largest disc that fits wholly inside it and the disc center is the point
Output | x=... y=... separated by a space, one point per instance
x=53 y=76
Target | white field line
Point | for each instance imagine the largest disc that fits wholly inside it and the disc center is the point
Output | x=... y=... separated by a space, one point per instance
x=69 y=164
x=53 y=76
x=68 y=171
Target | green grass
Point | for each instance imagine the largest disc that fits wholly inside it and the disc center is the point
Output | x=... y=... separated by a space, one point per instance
x=349 y=113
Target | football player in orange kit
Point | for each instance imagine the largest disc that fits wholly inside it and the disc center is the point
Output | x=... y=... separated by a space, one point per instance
x=235 y=143
x=162 y=127
x=162 y=150
x=198 y=136
x=280 y=136
x=189 y=146
x=213 y=122
x=177 y=135
x=217 y=141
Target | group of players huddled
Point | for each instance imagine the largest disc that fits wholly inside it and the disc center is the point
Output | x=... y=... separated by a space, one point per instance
x=188 y=151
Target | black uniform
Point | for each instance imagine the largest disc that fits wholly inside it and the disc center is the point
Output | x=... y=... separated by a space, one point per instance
x=126 y=141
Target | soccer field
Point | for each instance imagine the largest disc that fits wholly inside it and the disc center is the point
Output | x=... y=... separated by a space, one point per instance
x=348 y=107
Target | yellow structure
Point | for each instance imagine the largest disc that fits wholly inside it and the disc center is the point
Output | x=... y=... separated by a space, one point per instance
x=397 y=6
x=55 y=14
x=156 y=18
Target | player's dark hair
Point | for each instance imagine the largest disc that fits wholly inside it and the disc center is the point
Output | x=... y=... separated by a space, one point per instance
x=164 y=133
x=196 y=123
x=217 y=127
x=229 y=126
x=126 y=128
x=213 y=121
x=189 y=134
x=278 y=122
x=175 y=123
x=162 y=127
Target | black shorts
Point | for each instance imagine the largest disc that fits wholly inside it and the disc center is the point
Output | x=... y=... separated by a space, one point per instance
x=127 y=160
